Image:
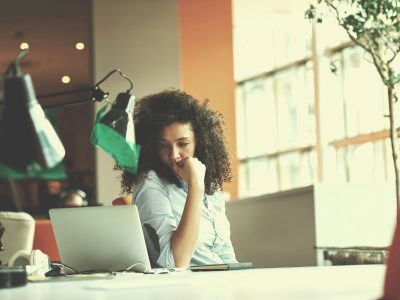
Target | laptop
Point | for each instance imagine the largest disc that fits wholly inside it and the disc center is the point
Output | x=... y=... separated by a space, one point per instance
x=100 y=238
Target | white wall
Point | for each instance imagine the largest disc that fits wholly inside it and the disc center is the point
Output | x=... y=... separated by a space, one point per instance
x=283 y=229
x=353 y=214
x=141 y=38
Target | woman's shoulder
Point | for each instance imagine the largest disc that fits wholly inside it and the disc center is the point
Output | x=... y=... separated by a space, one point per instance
x=149 y=192
x=217 y=196
x=150 y=180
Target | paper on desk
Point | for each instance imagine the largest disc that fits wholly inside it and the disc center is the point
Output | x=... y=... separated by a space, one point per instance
x=42 y=278
x=136 y=283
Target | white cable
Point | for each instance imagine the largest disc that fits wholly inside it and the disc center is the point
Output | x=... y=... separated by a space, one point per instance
x=137 y=264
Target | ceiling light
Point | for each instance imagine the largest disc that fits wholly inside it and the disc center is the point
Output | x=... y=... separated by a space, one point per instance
x=80 y=46
x=65 y=79
x=24 y=46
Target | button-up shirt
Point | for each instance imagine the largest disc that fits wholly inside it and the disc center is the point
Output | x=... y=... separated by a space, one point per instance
x=161 y=205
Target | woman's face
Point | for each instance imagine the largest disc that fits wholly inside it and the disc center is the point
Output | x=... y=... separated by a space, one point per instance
x=176 y=141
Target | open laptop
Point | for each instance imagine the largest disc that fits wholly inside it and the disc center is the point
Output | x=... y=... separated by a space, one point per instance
x=100 y=238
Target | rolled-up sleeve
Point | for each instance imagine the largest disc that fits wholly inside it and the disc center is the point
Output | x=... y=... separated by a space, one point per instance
x=227 y=253
x=155 y=211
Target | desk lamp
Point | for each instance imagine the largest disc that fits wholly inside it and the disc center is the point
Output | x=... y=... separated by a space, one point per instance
x=30 y=145
x=28 y=141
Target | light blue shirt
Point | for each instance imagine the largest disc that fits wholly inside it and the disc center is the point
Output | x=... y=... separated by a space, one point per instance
x=160 y=206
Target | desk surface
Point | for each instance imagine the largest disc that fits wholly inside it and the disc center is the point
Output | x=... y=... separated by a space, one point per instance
x=344 y=282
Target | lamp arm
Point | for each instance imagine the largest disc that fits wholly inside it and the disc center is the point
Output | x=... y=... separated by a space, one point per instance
x=65 y=93
x=97 y=93
x=122 y=75
x=69 y=103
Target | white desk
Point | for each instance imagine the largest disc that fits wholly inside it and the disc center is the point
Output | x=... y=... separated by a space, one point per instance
x=345 y=282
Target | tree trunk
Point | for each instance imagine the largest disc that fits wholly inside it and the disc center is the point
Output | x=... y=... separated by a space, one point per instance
x=393 y=141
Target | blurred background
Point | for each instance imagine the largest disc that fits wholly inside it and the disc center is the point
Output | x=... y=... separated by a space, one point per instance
x=304 y=109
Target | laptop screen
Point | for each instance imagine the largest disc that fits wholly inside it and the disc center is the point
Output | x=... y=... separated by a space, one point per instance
x=100 y=238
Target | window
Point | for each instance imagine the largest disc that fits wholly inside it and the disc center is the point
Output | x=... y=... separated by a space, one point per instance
x=297 y=121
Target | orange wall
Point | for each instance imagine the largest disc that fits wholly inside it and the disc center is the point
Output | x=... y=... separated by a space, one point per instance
x=206 y=62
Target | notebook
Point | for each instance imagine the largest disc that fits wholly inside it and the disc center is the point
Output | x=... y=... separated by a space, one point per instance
x=100 y=238
x=222 y=267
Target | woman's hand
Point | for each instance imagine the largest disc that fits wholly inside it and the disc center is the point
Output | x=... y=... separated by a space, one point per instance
x=191 y=170
x=184 y=239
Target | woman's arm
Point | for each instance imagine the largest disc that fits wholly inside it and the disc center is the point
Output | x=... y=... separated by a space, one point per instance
x=153 y=203
x=184 y=239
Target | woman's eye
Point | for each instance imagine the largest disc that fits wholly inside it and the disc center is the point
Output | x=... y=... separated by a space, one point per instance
x=162 y=145
x=183 y=144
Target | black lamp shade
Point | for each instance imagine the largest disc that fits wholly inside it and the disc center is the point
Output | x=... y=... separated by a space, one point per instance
x=27 y=139
x=120 y=116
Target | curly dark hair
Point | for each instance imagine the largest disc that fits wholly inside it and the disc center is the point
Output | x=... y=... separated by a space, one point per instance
x=155 y=112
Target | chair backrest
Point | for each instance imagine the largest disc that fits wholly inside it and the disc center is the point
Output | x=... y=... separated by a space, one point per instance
x=123 y=200
x=44 y=239
x=118 y=201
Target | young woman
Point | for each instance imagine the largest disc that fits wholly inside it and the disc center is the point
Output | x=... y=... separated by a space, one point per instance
x=178 y=187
